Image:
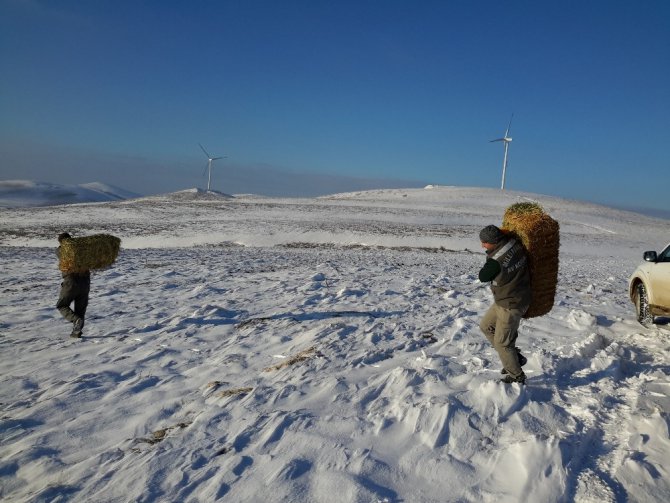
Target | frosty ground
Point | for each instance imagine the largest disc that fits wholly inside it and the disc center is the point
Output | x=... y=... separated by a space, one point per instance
x=325 y=350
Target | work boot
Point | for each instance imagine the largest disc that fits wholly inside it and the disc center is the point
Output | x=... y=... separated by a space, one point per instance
x=508 y=379
x=76 y=328
x=522 y=361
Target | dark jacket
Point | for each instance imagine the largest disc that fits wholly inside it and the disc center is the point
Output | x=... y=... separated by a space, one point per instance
x=506 y=268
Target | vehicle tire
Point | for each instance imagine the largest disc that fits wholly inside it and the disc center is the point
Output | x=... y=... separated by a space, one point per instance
x=642 y=306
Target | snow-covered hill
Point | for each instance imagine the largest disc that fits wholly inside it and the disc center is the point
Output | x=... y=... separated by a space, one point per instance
x=194 y=194
x=326 y=350
x=28 y=193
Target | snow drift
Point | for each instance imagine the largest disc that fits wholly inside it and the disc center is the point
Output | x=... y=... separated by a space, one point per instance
x=326 y=350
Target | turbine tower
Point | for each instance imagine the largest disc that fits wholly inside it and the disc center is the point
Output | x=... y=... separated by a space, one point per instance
x=210 y=159
x=506 y=141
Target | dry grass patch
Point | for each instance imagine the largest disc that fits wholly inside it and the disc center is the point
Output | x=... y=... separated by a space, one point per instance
x=160 y=435
x=305 y=354
x=234 y=391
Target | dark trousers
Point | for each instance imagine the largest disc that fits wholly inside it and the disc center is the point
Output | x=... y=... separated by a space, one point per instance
x=74 y=288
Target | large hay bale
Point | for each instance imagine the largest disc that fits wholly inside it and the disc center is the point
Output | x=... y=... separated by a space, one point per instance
x=89 y=252
x=539 y=234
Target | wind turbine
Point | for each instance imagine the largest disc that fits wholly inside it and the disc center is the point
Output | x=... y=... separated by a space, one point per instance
x=210 y=159
x=506 y=141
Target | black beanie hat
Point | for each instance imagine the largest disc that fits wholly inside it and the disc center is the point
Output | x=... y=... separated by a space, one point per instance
x=491 y=234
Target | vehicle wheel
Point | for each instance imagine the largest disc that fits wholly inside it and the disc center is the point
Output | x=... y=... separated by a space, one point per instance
x=642 y=306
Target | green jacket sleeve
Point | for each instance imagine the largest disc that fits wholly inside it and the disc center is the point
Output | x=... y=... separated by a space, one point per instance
x=490 y=270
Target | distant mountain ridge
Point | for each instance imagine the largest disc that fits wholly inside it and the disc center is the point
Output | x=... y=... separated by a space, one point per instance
x=29 y=193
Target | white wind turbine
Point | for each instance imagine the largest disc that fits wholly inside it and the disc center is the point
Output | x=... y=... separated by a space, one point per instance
x=210 y=159
x=506 y=141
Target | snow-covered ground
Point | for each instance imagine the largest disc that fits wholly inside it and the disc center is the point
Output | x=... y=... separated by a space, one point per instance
x=325 y=350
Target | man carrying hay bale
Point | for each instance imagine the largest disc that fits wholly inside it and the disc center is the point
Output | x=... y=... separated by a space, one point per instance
x=74 y=288
x=77 y=257
x=506 y=268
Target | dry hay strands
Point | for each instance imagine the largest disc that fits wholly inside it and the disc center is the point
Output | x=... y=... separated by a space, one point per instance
x=214 y=384
x=89 y=252
x=305 y=354
x=233 y=392
x=539 y=234
x=160 y=435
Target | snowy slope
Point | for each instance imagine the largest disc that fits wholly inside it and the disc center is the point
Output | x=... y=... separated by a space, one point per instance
x=326 y=350
x=27 y=193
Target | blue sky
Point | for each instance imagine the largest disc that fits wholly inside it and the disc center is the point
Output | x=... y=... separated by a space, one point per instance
x=123 y=91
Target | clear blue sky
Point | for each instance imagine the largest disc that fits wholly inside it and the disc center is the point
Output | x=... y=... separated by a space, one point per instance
x=122 y=91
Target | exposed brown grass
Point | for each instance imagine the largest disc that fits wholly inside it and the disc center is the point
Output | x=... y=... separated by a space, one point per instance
x=160 y=435
x=303 y=355
x=234 y=391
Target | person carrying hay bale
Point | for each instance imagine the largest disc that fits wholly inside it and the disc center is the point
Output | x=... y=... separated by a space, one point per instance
x=77 y=257
x=507 y=269
x=74 y=288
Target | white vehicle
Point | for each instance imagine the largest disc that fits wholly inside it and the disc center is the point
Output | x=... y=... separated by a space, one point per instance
x=649 y=286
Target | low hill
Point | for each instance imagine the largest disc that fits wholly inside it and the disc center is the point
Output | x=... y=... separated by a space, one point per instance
x=28 y=193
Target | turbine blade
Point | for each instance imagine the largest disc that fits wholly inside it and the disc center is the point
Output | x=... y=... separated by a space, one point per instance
x=203 y=149
x=215 y=158
x=204 y=171
x=509 y=125
x=499 y=139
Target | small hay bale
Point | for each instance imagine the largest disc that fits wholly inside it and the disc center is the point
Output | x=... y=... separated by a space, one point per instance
x=89 y=252
x=539 y=234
